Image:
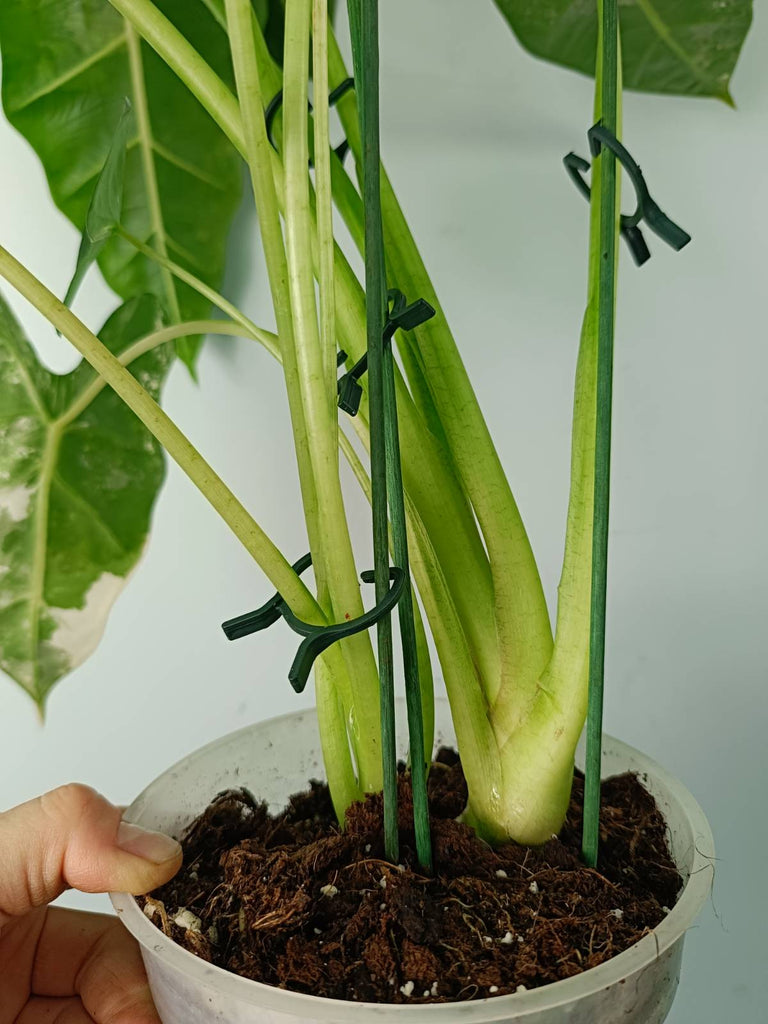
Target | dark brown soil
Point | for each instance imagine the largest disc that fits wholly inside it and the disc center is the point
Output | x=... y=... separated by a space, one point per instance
x=292 y=901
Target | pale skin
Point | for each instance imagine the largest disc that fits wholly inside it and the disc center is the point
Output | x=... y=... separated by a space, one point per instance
x=60 y=966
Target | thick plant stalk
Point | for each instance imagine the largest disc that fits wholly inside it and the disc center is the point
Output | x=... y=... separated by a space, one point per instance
x=316 y=386
x=297 y=327
x=436 y=493
x=425 y=678
x=522 y=619
x=538 y=758
x=270 y=342
x=324 y=203
x=537 y=725
x=257 y=151
x=469 y=710
x=337 y=759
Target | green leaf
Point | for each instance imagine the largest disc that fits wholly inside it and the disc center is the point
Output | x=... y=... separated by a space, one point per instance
x=688 y=47
x=106 y=205
x=77 y=488
x=67 y=67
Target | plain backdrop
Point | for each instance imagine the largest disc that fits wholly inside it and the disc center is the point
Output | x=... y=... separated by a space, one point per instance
x=474 y=131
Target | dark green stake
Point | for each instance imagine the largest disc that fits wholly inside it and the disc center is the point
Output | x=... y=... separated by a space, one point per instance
x=407 y=624
x=364 y=28
x=606 y=304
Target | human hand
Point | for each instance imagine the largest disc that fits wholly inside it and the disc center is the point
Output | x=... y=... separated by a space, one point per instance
x=62 y=966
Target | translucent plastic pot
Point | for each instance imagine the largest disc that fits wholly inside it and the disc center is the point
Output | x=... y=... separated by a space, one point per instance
x=276 y=758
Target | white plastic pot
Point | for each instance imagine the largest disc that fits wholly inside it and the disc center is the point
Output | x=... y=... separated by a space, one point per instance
x=275 y=759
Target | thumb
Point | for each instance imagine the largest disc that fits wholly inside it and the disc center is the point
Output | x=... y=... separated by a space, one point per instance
x=73 y=838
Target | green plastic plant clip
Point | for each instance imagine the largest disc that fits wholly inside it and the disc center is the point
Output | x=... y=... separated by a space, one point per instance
x=316 y=638
x=399 y=317
x=266 y=615
x=333 y=98
x=647 y=209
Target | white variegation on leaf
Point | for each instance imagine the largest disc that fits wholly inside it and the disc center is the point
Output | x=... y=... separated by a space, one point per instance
x=77 y=486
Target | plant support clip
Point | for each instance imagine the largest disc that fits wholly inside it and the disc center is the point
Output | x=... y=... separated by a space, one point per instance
x=316 y=638
x=646 y=210
x=399 y=317
x=333 y=98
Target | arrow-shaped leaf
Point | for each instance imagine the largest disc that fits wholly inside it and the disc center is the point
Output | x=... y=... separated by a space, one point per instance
x=673 y=46
x=77 y=486
x=67 y=67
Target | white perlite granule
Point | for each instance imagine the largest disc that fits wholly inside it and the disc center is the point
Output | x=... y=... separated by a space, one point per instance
x=407 y=988
x=501 y=873
x=534 y=887
x=506 y=939
x=328 y=890
x=186 y=919
x=616 y=913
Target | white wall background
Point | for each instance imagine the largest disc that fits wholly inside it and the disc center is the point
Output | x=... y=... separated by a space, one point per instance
x=474 y=131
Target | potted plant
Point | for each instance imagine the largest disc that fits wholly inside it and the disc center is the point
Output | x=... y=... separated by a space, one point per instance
x=518 y=693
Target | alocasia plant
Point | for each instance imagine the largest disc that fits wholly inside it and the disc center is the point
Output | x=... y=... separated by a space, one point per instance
x=517 y=687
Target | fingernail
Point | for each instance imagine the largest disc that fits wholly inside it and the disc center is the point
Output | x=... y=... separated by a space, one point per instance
x=153 y=846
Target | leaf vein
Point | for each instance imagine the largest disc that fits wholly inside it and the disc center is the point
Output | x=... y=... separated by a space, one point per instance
x=70 y=74
x=150 y=178
x=39 y=560
x=661 y=29
x=78 y=498
x=185 y=254
x=183 y=165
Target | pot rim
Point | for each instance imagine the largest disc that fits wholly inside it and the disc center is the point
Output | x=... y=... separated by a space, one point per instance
x=480 y=1011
